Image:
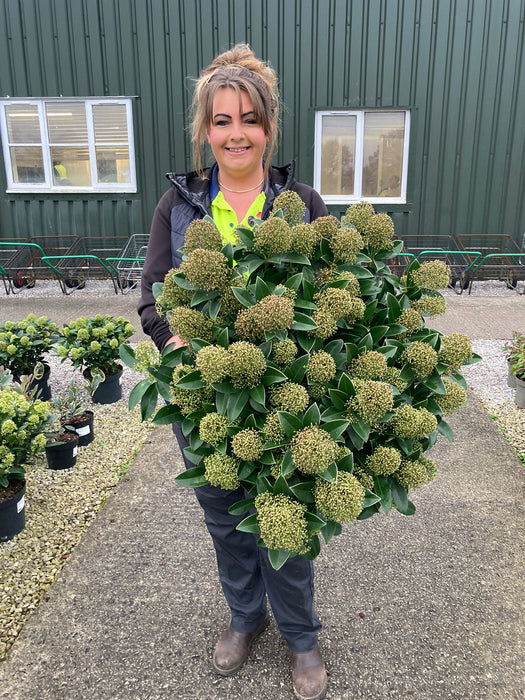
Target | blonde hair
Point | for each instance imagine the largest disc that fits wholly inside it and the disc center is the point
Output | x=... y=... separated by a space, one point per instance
x=240 y=70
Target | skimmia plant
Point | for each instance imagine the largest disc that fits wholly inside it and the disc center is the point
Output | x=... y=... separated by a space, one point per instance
x=309 y=377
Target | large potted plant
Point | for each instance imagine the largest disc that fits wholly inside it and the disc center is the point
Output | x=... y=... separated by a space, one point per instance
x=309 y=376
x=73 y=411
x=23 y=345
x=92 y=345
x=23 y=421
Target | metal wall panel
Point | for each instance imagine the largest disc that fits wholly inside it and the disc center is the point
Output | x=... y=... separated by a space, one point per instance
x=457 y=64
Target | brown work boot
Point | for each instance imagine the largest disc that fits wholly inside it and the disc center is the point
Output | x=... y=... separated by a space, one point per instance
x=309 y=675
x=232 y=649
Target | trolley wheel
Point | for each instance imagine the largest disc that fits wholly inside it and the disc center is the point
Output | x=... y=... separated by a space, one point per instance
x=511 y=281
x=73 y=283
x=20 y=279
x=453 y=282
x=464 y=280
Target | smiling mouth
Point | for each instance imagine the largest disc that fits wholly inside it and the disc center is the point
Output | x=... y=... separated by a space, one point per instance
x=238 y=150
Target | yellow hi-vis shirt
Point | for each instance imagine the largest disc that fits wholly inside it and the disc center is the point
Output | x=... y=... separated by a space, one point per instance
x=226 y=219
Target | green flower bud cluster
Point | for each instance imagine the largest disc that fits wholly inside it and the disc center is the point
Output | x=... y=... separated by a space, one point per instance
x=353 y=287
x=411 y=319
x=326 y=226
x=364 y=478
x=321 y=367
x=313 y=450
x=455 y=397
x=271 y=313
x=230 y=305
x=412 y=423
x=189 y=323
x=247 y=445
x=282 y=522
x=346 y=244
x=284 y=352
x=379 y=232
x=213 y=361
x=289 y=397
x=333 y=304
x=273 y=431
x=316 y=391
x=371 y=364
x=202 y=234
x=392 y=376
x=371 y=401
x=272 y=237
x=292 y=206
x=305 y=239
x=286 y=292
x=247 y=364
x=414 y=473
x=212 y=428
x=430 y=305
x=147 y=355
x=342 y=500
x=358 y=215
x=221 y=470
x=455 y=350
x=384 y=461
x=421 y=357
x=172 y=295
x=433 y=274
x=207 y=269
x=188 y=400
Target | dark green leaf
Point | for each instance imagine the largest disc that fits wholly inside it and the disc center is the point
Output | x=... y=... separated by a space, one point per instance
x=366 y=343
x=400 y=496
x=378 y=332
x=127 y=355
x=346 y=463
x=192 y=478
x=249 y=524
x=261 y=289
x=330 y=474
x=137 y=392
x=338 y=398
x=335 y=428
x=394 y=307
x=345 y=385
x=245 y=236
x=246 y=470
x=312 y=415
x=236 y=403
x=278 y=557
x=273 y=376
x=331 y=529
x=303 y=491
x=289 y=423
x=305 y=341
x=445 y=429
x=302 y=322
x=314 y=521
x=368 y=512
x=281 y=486
x=148 y=402
x=191 y=381
x=294 y=282
x=293 y=258
x=258 y=394
x=243 y=296
x=287 y=465
x=156 y=289
x=241 y=507
x=166 y=415
x=315 y=548
x=296 y=370
x=370 y=499
x=201 y=295
x=382 y=489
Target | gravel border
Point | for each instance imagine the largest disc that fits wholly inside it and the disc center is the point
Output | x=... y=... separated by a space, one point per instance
x=60 y=505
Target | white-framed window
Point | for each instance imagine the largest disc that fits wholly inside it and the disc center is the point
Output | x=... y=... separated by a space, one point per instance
x=68 y=144
x=361 y=154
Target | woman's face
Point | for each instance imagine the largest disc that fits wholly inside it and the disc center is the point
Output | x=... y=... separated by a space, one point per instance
x=236 y=139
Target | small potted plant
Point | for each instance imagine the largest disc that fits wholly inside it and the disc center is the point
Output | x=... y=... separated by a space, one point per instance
x=23 y=345
x=61 y=445
x=517 y=368
x=512 y=349
x=23 y=421
x=92 y=345
x=73 y=412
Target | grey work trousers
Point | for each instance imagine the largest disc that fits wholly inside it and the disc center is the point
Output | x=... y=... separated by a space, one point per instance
x=247 y=576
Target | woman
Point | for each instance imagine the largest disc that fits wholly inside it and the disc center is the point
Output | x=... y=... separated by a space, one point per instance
x=236 y=112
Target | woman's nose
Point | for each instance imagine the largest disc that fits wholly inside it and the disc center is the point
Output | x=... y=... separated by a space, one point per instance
x=236 y=129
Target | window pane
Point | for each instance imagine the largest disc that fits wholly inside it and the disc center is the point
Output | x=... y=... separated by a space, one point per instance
x=66 y=122
x=383 y=154
x=71 y=166
x=338 y=154
x=113 y=165
x=23 y=125
x=110 y=124
x=27 y=164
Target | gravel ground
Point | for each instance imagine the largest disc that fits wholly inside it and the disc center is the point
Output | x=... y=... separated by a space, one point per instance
x=60 y=505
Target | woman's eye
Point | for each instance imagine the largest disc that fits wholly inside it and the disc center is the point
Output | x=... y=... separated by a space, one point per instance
x=221 y=122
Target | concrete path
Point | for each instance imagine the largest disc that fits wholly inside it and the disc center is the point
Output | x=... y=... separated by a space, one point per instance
x=428 y=607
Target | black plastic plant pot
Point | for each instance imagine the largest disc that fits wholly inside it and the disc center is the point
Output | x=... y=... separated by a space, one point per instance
x=13 y=514
x=64 y=455
x=42 y=384
x=83 y=426
x=110 y=390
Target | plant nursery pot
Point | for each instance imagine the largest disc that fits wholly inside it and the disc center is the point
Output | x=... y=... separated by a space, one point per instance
x=83 y=426
x=520 y=392
x=12 y=510
x=110 y=390
x=511 y=378
x=42 y=384
x=63 y=456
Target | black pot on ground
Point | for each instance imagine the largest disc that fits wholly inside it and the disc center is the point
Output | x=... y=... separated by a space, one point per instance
x=83 y=426
x=108 y=391
x=63 y=455
x=519 y=398
x=12 y=509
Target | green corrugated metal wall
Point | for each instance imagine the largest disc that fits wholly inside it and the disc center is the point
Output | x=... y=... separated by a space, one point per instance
x=458 y=64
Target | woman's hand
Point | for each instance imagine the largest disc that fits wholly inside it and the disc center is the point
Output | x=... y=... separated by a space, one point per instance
x=176 y=341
